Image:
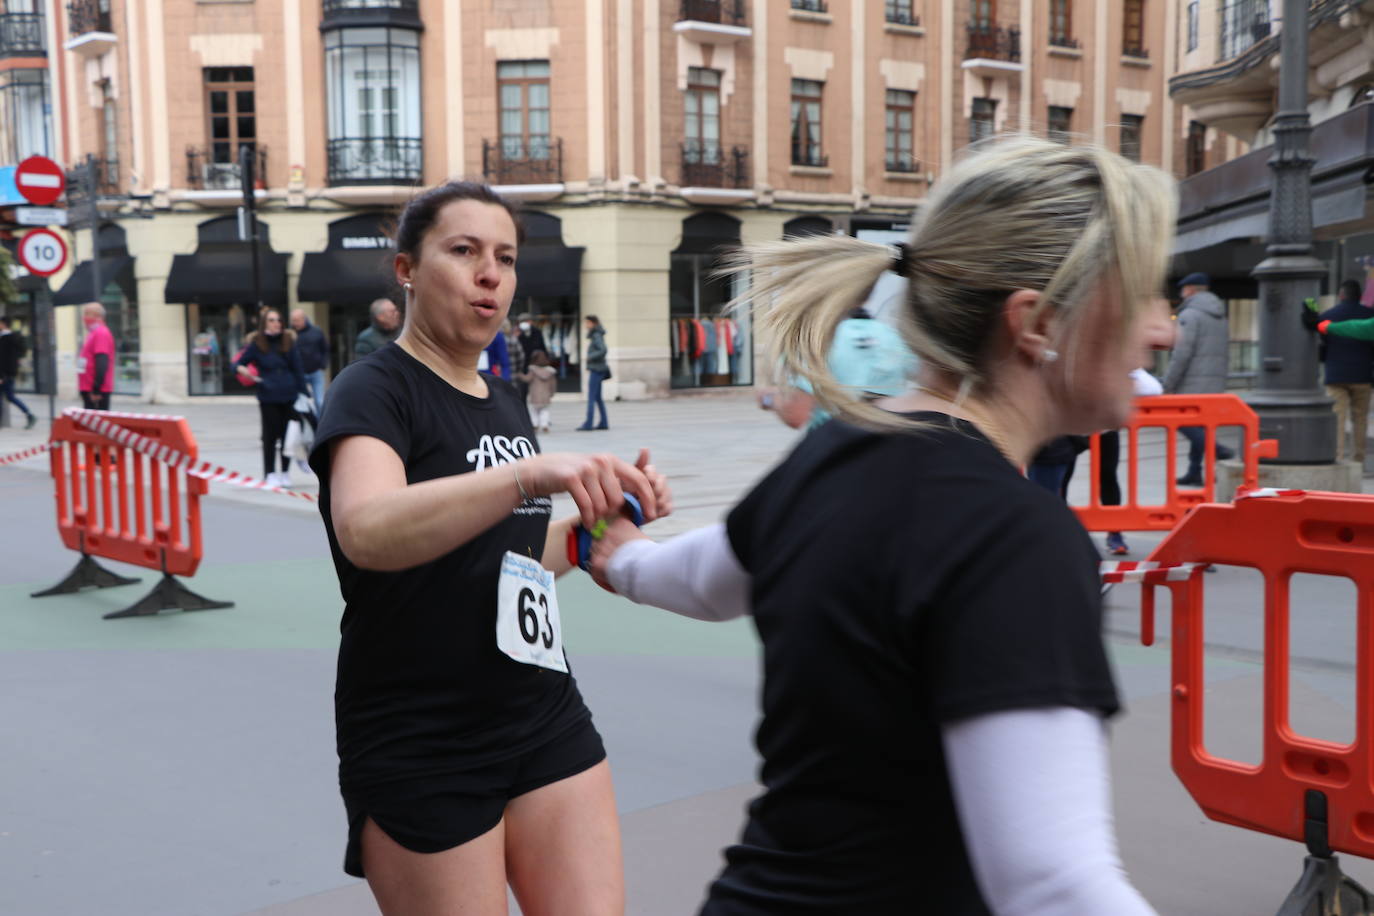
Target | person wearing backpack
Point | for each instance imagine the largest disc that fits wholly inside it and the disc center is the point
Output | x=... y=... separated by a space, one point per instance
x=12 y=349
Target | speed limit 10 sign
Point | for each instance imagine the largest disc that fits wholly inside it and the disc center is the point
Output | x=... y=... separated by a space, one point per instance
x=43 y=252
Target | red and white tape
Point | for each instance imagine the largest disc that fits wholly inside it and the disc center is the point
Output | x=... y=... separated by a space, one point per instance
x=106 y=423
x=1146 y=572
x=25 y=454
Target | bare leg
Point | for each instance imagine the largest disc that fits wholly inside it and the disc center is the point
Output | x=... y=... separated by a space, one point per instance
x=467 y=880
x=563 y=847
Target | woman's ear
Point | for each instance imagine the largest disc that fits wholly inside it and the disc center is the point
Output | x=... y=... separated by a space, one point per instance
x=1029 y=325
x=402 y=266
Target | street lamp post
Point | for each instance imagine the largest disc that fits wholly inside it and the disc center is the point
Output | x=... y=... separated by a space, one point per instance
x=1291 y=405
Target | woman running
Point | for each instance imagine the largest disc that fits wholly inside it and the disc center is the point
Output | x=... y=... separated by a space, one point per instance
x=935 y=681
x=467 y=759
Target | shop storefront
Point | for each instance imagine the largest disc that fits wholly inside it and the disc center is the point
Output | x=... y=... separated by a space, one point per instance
x=216 y=285
x=32 y=298
x=548 y=289
x=709 y=348
x=119 y=295
x=354 y=270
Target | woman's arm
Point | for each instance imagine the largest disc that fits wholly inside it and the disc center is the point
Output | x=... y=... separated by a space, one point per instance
x=383 y=523
x=298 y=369
x=695 y=574
x=1033 y=794
x=555 y=557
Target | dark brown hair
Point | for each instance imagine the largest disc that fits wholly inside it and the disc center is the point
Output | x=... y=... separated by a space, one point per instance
x=420 y=214
x=539 y=358
x=285 y=340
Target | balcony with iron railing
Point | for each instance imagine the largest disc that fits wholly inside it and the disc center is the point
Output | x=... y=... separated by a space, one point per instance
x=902 y=163
x=710 y=165
x=1135 y=52
x=374 y=160
x=23 y=35
x=208 y=170
x=89 y=23
x=344 y=13
x=990 y=42
x=1063 y=40
x=809 y=157
x=515 y=160
x=712 y=21
x=811 y=6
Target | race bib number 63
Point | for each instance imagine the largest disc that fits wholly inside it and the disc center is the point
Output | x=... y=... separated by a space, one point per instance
x=527 y=625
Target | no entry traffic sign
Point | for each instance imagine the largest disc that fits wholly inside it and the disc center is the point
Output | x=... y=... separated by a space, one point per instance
x=40 y=180
x=43 y=252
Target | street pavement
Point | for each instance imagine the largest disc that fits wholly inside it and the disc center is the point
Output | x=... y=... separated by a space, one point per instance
x=184 y=763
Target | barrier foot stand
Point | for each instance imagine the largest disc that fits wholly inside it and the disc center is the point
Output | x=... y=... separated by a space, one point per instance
x=87 y=574
x=168 y=594
x=1323 y=890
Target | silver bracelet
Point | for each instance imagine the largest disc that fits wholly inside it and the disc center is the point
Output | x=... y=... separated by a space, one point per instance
x=524 y=497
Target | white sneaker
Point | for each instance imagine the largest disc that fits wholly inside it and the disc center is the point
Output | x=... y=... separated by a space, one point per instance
x=304 y=468
x=284 y=480
x=270 y=479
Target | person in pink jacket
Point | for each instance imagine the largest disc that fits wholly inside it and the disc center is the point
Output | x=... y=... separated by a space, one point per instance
x=95 y=366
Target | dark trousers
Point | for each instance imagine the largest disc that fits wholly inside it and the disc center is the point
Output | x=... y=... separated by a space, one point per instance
x=1197 y=444
x=1108 y=455
x=1050 y=476
x=7 y=389
x=274 y=420
x=95 y=400
x=594 y=380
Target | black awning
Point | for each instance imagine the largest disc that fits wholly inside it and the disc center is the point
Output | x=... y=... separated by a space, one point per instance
x=223 y=275
x=548 y=270
x=346 y=277
x=114 y=268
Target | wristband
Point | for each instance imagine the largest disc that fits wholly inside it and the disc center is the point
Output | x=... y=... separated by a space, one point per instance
x=580 y=539
x=1323 y=325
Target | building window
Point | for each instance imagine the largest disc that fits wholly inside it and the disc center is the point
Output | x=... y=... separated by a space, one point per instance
x=231 y=122
x=1061 y=24
x=1197 y=147
x=806 y=123
x=1060 y=124
x=25 y=114
x=901 y=12
x=1133 y=29
x=701 y=130
x=901 y=130
x=1192 y=24
x=980 y=125
x=372 y=81
x=811 y=6
x=984 y=13
x=523 y=88
x=1130 y=136
x=1243 y=23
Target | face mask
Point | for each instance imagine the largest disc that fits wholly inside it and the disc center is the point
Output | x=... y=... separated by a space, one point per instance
x=524 y=326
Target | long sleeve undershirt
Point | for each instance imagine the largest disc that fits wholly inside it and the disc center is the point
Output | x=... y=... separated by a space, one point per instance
x=1039 y=834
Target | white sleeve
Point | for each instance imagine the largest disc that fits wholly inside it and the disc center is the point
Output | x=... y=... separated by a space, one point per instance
x=1034 y=799
x=695 y=574
x=1146 y=385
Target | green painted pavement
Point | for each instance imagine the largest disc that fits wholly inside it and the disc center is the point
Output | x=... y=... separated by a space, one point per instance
x=295 y=605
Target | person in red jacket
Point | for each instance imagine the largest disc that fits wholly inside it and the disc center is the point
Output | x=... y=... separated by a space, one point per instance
x=95 y=366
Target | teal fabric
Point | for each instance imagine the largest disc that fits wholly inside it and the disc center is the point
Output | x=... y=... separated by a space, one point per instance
x=869 y=358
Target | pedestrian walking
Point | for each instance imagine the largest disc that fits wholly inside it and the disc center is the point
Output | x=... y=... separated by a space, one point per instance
x=467 y=758
x=1109 y=456
x=531 y=338
x=541 y=381
x=12 y=349
x=385 y=327
x=598 y=370
x=272 y=351
x=95 y=366
x=1198 y=363
x=931 y=620
x=1348 y=366
x=314 y=349
x=519 y=359
x=498 y=358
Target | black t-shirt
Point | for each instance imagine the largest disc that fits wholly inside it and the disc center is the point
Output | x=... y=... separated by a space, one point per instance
x=423 y=690
x=900 y=582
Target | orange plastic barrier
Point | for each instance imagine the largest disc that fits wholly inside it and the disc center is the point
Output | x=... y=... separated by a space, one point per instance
x=1305 y=789
x=1171 y=412
x=116 y=503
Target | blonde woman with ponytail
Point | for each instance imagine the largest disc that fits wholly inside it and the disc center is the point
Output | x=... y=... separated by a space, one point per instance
x=935 y=683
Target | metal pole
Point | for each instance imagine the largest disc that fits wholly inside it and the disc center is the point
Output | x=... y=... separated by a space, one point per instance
x=246 y=167
x=92 y=184
x=1291 y=404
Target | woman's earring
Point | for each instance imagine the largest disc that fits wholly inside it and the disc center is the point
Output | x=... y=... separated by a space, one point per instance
x=1049 y=356
x=407 y=286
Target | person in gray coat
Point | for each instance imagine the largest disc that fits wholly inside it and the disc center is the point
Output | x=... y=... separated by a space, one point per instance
x=1198 y=364
x=597 y=372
